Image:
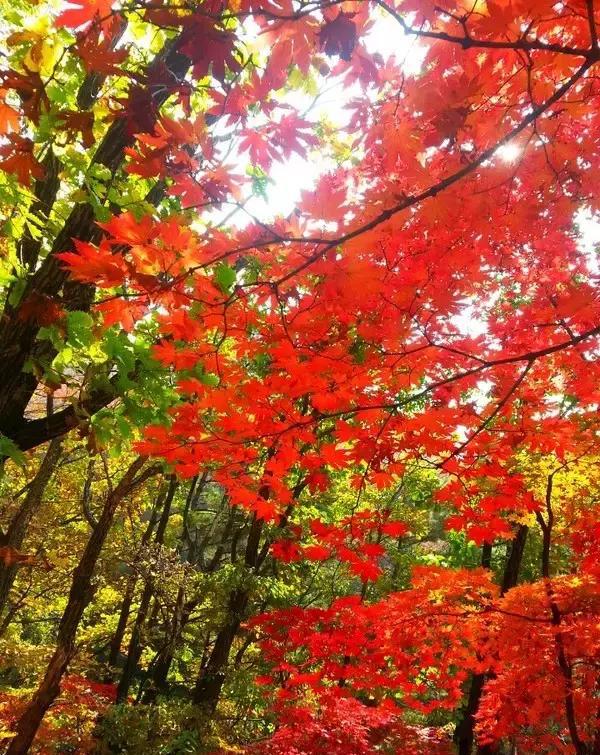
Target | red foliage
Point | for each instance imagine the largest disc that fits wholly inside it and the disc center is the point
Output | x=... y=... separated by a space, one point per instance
x=336 y=338
x=71 y=719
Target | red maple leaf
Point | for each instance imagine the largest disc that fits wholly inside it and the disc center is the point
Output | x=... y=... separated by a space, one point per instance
x=41 y=308
x=338 y=37
x=98 y=54
x=83 y=12
x=16 y=157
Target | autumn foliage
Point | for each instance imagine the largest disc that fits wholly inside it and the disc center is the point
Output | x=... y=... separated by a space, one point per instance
x=426 y=313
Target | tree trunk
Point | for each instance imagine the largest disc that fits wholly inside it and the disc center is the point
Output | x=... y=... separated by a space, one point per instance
x=17 y=529
x=464 y=733
x=183 y=610
x=135 y=648
x=18 y=334
x=117 y=639
x=515 y=557
x=464 y=736
x=212 y=676
x=164 y=658
x=79 y=597
x=210 y=682
x=565 y=666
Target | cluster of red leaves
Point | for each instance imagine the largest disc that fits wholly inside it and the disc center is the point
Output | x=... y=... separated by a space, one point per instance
x=402 y=646
x=72 y=717
x=341 y=725
x=403 y=652
x=488 y=498
x=368 y=334
x=525 y=697
x=335 y=339
x=16 y=156
x=355 y=540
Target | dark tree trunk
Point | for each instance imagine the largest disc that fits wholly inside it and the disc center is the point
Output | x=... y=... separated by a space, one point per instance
x=15 y=534
x=164 y=658
x=195 y=553
x=18 y=333
x=135 y=648
x=464 y=735
x=212 y=676
x=486 y=555
x=117 y=639
x=79 y=596
x=210 y=682
x=565 y=666
x=515 y=557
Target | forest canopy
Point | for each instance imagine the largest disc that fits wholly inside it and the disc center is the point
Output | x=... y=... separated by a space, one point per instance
x=299 y=377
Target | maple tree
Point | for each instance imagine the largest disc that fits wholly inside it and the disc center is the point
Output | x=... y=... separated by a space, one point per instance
x=426 y=318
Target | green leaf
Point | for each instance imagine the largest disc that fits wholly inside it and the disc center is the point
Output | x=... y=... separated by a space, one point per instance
x=51 y=333
x=225 y=277
x=17 y=291
x=8 y=448
x=79 y=329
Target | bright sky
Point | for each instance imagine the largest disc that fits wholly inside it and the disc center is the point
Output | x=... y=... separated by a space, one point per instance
x=298 y=173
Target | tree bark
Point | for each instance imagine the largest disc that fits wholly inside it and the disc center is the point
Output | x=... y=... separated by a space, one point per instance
x=79 y=597
x=515 y=558
x=164 y=658
x=15 y=534
x=135 y=648
x=564 y=664
x=210 y=681
x=464 y=733
x=18 y=333
x=207 y=689
x=117 y=639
